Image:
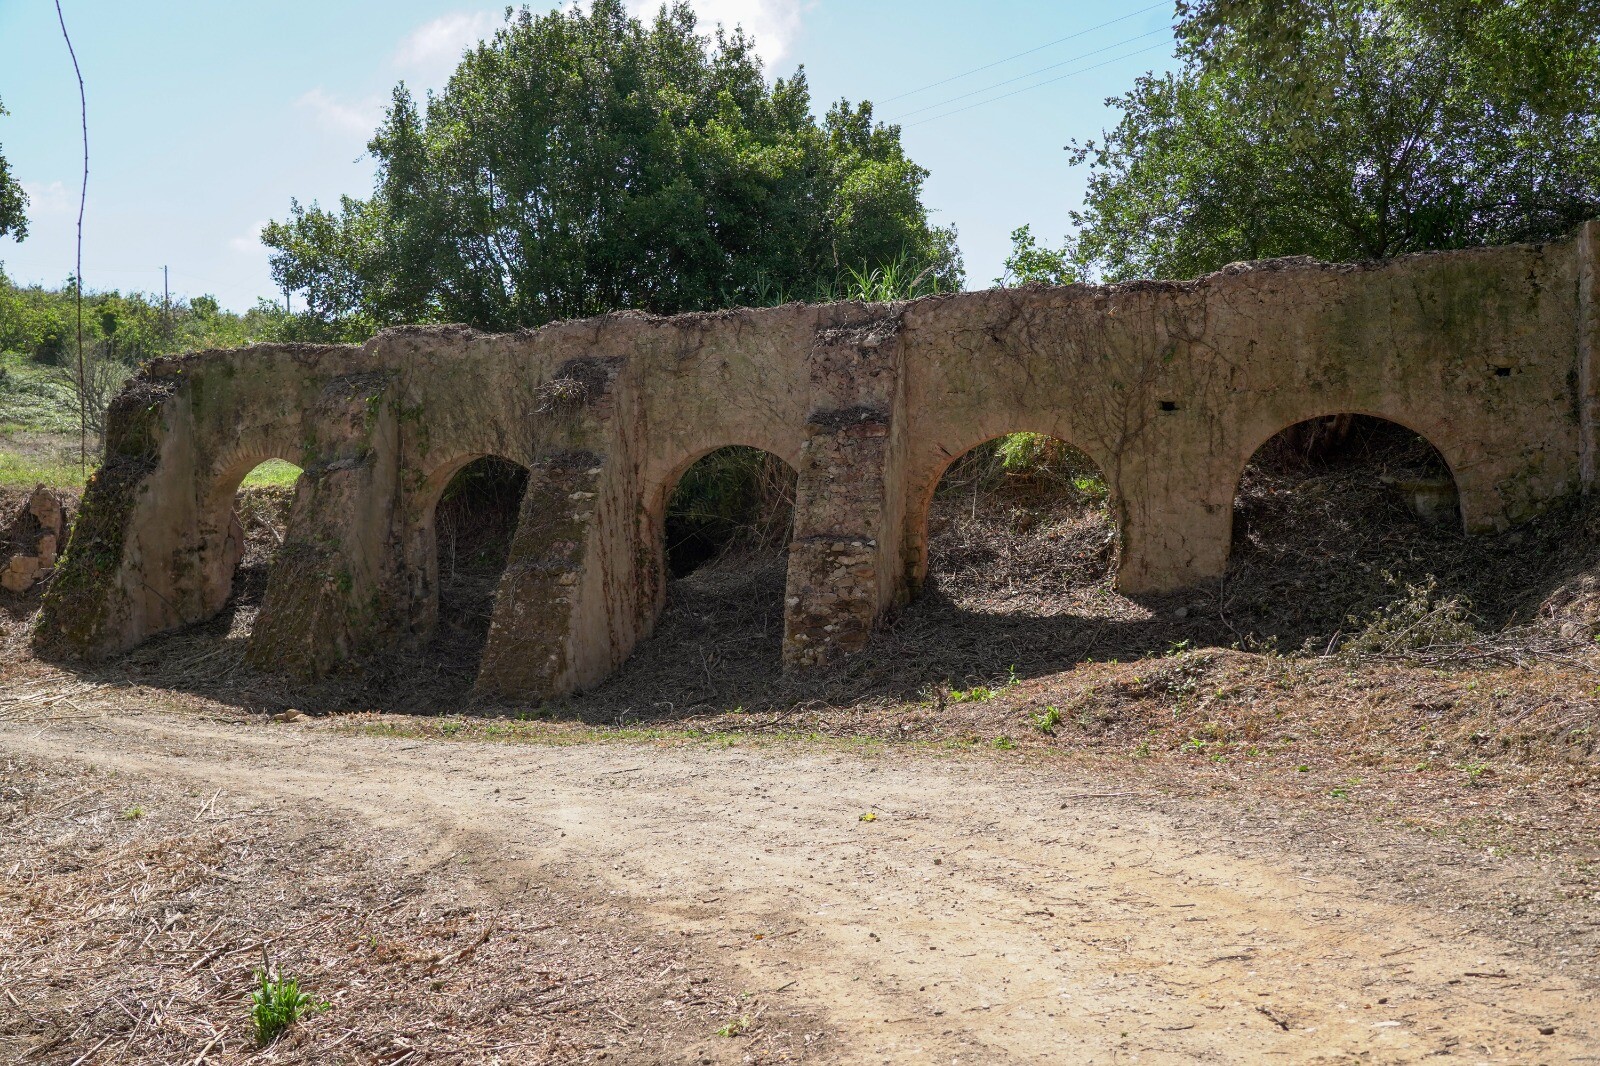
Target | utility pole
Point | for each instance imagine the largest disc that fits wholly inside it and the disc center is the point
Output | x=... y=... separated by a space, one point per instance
x=166 y=303
x=286 y=308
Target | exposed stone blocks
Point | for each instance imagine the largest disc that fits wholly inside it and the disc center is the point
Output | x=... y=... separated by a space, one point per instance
x=28 y=547
x=843 y=558
x=1491 y=354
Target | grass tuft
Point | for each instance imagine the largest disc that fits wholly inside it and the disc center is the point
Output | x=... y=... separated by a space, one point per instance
x=277 y=1004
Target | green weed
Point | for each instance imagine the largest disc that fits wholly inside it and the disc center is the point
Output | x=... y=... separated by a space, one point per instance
x=1047 y=720
x=277 y=1004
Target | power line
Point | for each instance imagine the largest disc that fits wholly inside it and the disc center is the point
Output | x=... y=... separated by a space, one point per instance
x=1038 y=85
x=1019 y=55
x=83 y=198
x=1032 y=73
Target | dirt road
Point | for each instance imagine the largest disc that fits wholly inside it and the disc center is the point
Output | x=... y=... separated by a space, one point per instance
x=985 y=913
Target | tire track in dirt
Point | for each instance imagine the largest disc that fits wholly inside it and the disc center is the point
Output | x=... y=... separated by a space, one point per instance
x=986 y=913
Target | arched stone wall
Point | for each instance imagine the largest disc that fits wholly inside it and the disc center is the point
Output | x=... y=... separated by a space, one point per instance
x=1491 y=354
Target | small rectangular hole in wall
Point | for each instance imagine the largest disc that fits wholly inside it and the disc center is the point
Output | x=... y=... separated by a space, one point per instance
x=1169 y=405
x=1502 y=371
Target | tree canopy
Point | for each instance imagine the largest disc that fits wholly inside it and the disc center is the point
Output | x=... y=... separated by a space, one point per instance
x=585 y=161
x=1349 y=129
x=13 y=201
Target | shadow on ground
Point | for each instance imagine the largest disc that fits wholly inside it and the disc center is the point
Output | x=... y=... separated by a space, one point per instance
x=1020 y=587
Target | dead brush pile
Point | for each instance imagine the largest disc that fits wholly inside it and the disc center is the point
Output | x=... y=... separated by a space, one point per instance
x=1326 y=548
x=1344 y=624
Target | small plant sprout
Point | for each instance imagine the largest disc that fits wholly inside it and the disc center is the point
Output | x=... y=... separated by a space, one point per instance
x=277 y=1004
x=1047 y=720
x=1003 y=743
x=133 y=813
x=738 y=1027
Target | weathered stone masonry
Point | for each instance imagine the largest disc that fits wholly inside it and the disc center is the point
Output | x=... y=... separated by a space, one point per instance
x=1493 y=355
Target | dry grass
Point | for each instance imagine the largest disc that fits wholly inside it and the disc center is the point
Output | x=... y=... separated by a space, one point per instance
x=133 y=917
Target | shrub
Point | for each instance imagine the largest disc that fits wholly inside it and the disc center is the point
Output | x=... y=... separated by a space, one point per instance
x=1415 y=620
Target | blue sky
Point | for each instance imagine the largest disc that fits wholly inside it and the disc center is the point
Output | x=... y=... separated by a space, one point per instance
x=206 y=117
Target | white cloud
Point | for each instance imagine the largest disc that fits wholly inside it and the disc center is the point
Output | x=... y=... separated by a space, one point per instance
x=250 y=243
x=432 y=51
x=425 y=59
x=775 y=24
x=337 y=116
x=50 y=198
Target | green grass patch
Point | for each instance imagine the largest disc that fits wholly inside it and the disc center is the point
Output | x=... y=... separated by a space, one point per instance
x=31 y=400
x=23 y=469
x=272 y=474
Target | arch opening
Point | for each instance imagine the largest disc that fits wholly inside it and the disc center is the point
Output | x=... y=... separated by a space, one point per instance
x=723 y=547
x=473 y=522
x=1022 y=547
x=1339 y=518
x=1022 y=521
x=733 y=503
x=256 y=523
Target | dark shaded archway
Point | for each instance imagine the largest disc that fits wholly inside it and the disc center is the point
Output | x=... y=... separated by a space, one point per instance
x=473 y=523
x=734 y=501
x=725 y=531
x=1335 y=518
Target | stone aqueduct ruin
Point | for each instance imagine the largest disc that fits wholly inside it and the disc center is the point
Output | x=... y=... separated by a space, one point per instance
x=1492 y=355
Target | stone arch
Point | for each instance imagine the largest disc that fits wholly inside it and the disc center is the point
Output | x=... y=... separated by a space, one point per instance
x=221 y=536
x=663 y=481
x=925 y=483
x=1477 y=513
x=664 y=477
x=671 y=488
x=424 y=548
x=736 y=607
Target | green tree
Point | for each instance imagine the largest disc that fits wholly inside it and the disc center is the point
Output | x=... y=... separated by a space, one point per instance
x=1348 y=129
x=584 y=161
x=1031 y=262
x=13 y=201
